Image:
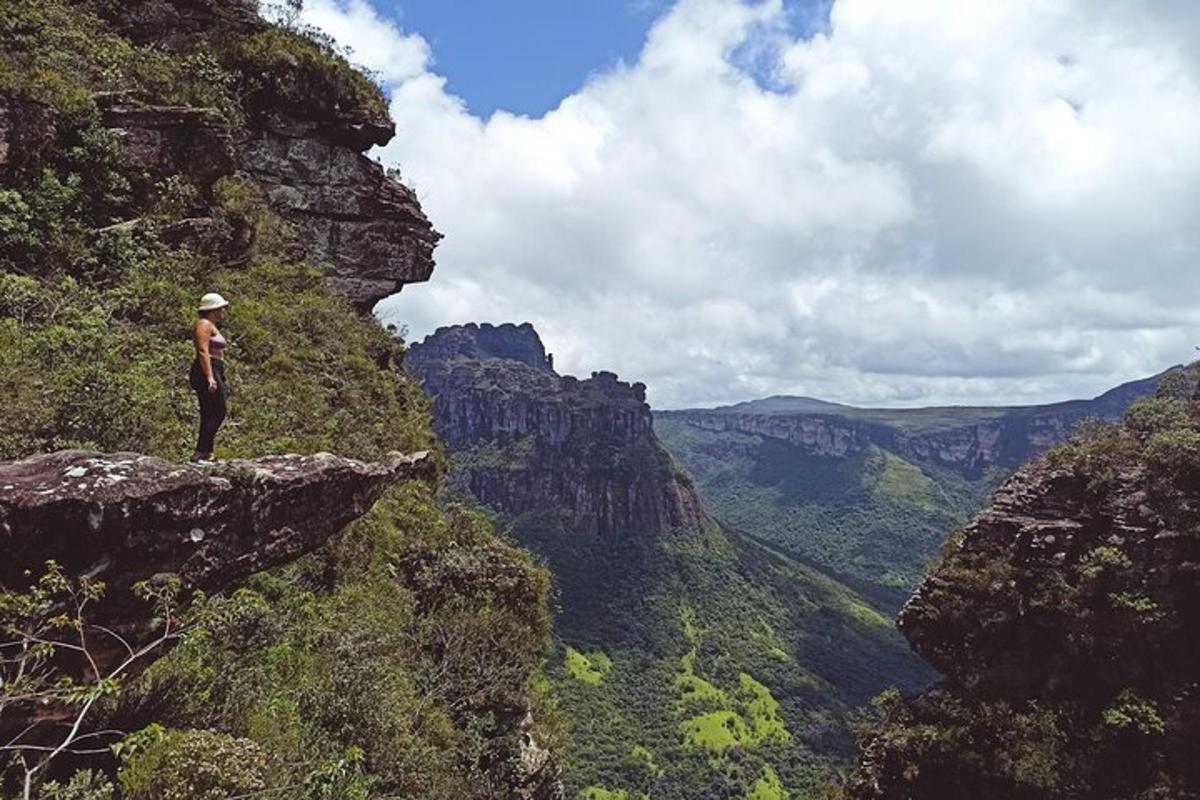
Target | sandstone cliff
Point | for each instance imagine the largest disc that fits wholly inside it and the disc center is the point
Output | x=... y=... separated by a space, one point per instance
x=530 y=439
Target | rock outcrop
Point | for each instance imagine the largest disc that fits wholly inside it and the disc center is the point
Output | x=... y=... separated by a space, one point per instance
x=348 y=215
x=123 y=517
x=1066 y=620
x=527 y=439
x=967 y=440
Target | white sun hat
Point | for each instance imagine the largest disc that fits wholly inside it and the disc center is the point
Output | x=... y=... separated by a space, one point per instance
x=212 y=301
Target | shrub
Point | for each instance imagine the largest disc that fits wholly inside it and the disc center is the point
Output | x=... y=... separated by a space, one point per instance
x=194 y=765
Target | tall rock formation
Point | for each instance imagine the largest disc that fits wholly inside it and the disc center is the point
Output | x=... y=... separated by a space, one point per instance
x=691 y=660
x=1066 y=619
x=536 y=439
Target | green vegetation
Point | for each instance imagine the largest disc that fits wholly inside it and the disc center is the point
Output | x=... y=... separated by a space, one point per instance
x=733 y=666
x=395 y=662
x=589 y=668
x=768 y=787
x=873 y=519
x=370 y=653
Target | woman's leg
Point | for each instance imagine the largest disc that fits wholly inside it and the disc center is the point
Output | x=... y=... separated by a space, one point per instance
x=212 y=414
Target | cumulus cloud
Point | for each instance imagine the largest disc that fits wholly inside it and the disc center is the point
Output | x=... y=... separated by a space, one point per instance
x=931 y=201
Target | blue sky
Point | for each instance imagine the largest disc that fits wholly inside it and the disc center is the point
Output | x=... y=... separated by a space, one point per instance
x=525 y=56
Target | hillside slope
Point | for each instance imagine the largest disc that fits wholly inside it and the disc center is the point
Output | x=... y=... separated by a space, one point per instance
x=693 y=661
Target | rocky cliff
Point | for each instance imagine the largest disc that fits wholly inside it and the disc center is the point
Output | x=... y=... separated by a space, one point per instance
x=528 y=438
x=299 y=138
x=1065 y=618
x=122 y=518
x=967 y=440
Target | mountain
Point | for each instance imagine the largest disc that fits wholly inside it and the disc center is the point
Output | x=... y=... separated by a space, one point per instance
x=1065 y=620
x=866 y=493
x=692 y=660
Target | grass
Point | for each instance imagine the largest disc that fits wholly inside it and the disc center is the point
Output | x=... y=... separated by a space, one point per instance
x=715 y=731
x=590 y=668
x=768 y=787
x=763 y=711
x=900 y=481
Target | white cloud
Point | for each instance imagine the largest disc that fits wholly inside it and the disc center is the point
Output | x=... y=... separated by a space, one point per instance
x=937 y=201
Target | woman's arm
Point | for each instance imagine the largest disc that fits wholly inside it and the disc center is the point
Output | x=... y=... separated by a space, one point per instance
x=203 y=332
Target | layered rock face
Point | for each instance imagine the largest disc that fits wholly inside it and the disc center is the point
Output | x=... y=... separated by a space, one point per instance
x=967 y=440
x=365 y=228
x=529 y=439
x=1046 y=547
x=123 y=517
x=1066 y=619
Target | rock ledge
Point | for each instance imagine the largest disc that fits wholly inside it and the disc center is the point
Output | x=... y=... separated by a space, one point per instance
x=122 y=517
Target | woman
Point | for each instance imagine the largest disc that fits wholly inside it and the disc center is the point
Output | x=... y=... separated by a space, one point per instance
x=207 y=376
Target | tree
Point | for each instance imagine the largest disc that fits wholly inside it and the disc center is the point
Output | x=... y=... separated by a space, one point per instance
x=52 y=659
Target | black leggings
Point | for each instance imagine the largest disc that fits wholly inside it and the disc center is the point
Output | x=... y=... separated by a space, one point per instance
x=212 y=404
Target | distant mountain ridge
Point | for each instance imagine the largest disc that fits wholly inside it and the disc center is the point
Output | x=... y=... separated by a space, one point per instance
x=968 y=439
x=868 y=494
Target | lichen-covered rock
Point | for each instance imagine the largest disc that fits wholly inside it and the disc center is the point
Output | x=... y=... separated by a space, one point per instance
x=527 y=439
x=123 y=517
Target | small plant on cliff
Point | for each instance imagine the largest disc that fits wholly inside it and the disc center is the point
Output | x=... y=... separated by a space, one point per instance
x=57 y=669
